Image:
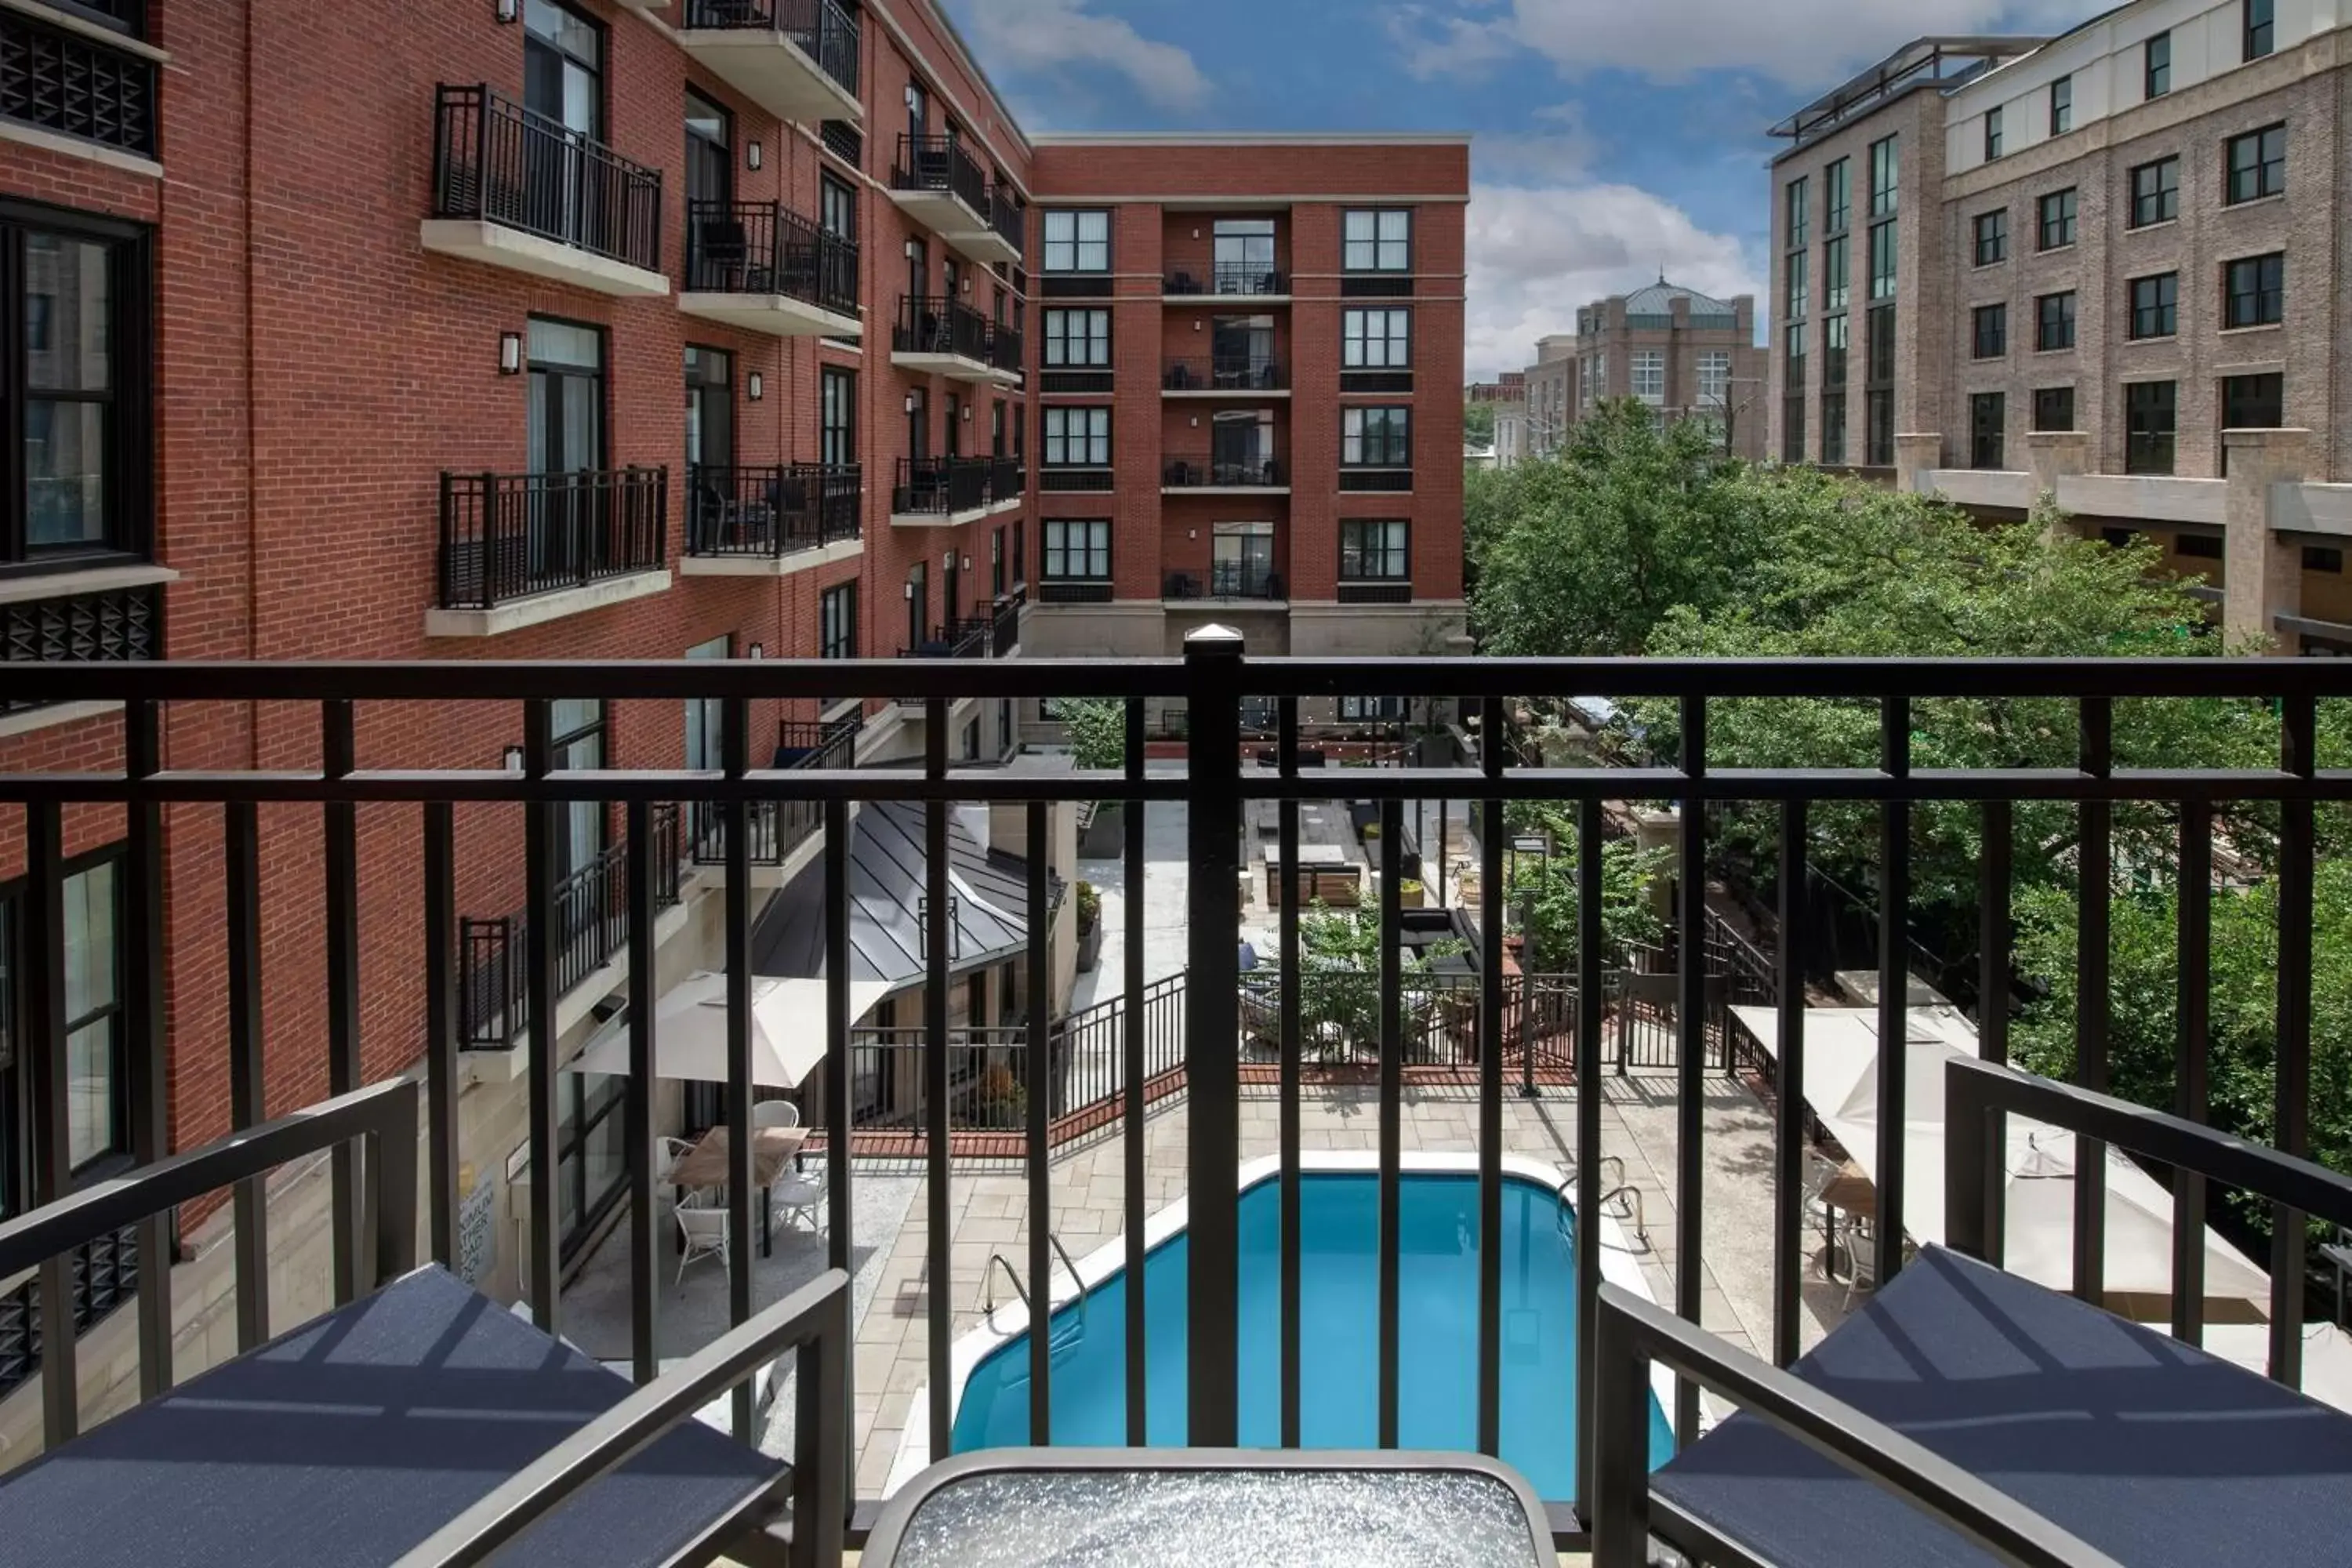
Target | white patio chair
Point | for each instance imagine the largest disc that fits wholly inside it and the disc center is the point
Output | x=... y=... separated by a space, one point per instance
x=802 y=1198
x=705 y=1231
x=775 y=1113
x=668 y=1152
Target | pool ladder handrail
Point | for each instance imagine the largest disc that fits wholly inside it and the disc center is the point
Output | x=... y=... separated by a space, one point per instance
x=998 y=1260
x=1632 y=1207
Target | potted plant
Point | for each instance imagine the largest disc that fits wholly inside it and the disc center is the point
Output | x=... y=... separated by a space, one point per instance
x=1090 y=927
x=1098 y=731
x=1410 y=894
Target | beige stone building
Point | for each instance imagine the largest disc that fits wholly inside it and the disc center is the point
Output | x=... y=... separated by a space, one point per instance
x=1682 y=352
x=2107 y=265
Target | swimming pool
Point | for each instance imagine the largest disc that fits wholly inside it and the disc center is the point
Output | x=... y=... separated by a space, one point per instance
x=1339 y=1324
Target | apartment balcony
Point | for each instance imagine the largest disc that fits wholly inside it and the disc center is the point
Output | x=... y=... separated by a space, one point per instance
x=795 y=58
x=777 y=830
x=943 y=492
x=1221 y=474
x=1376 y=591
x=2061 y=1412
x=1226 y=375
x=80 y=79
x=939 y=184
x=1235 y=583
x=765 y=269
x=516 y=190
x=519 y=550
x=1006 y=240
x=1008 y=484
x=1227 y=286
x=771 y=520
x=938 y=336
x=1005 y=350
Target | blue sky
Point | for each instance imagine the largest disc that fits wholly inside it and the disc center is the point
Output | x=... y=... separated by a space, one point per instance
x=1615 y=138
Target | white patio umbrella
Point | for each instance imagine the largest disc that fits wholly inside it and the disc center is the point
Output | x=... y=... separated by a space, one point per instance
x=788 y=1031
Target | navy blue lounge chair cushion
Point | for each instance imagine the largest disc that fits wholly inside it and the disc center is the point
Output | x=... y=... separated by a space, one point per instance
x=352 y=1438
x=2153 y=1452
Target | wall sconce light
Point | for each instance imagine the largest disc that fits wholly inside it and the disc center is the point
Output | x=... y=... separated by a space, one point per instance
x=910 y=403
x=967 y=416
x=513 y=759
x=910 y=590
x=1196 y=326
x=509 y=354
x=758 y=386
x=510 y=9
x=757 y=651
x=1196 y=422
x=967 y=563
x=751 y=154
x=947 y=562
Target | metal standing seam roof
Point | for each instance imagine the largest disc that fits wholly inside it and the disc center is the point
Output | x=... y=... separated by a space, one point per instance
x=887 y=881
x=1658 y=300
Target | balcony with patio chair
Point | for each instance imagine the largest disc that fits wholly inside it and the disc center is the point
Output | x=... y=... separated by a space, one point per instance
x=939 y=336
x=943 y=492
x=770 y=520
x=765 y=269
x=519 y=549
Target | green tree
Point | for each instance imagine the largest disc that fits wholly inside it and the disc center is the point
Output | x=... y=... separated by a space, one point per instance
x=1097 y=731
x=1340 y=975
x=1478 y=424
x=1542 y=892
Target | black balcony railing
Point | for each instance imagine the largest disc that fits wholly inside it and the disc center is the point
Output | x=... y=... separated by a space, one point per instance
x=777 y=828
x=771 y=509
x=498 y=162
x=1008 y=217
x=825 y=30
x=1224 y=373
x=1004 y=625
x=941 y=163
x=1074 y=591
x=844 y=140
x=75 y=85
x=1004 y=347
x=116 y=625
x=1390 y=481
x=1228 y=580
x=510 y=536
x=1008 y=481
x=1229 y=281
x=1376 y=591
x=932 y=324
x=763 y=247
x=1213 y=472
x=940 y=487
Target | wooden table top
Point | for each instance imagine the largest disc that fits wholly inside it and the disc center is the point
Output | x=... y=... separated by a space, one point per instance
x=705 y=1164
x=1851 y=1191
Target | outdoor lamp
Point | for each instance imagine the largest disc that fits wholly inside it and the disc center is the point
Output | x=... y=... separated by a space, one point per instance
x=509 y=354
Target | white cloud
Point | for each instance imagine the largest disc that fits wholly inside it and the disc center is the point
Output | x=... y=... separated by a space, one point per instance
x=1800 y=43
x=1539 y=252
x=1066 y=39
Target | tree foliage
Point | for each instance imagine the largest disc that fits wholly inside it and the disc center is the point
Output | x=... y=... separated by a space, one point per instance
x=1543 y=890
x=1478 y=424
x=1097 y=727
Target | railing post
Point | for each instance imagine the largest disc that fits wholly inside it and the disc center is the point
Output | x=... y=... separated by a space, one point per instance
x=1213 y=666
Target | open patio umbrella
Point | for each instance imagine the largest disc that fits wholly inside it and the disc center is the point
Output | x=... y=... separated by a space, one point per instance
x=788 y=1031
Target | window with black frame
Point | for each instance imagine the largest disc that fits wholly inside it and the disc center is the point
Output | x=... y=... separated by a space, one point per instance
x=2261 y=29
x=583 y=897
x=1987 y=430
x=591 y=1167
x=2253 y=402
x=2056 y=228
x=1077 y=558
x=1078 y=339
x=2254 y=291
x=1989 y=339
x=2151 y=411
x=2156 y=67
x=1375 y=438
x=1376 y=339
x=2257 y=165
x=2155 y=306
x=1077 y=438
x=2155 y=192
x=1376 y=240
x=2054 y=408
x=1245 y=257
x=1076 y=241
x=1375 y=551
x=2054 y=325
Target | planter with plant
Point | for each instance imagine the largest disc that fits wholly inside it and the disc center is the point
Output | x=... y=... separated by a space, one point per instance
x=1090 y=927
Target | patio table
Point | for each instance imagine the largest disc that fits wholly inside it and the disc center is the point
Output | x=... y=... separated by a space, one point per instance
x=704 y=1168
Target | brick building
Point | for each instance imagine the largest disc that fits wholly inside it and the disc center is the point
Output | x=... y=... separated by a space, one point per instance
x=2013 y=267
x=605 y=330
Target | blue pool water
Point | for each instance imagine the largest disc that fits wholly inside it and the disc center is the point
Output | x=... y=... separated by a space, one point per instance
x=1338 y=1334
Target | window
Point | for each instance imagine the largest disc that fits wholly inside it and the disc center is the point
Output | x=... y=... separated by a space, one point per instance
x=1834 y=352
x=2323 y=558
x=2158 y=68
x=2155 y=192
x=2054 y=408
x=2057 y=220
x=1988 y=423
x=1244 y=253
x=1377 y=240
x=1792 y=395
x=1833 y=428
x=1649 y=367
x=1992 y=237
x=2155 y=305
x=1077 y=240
x=74 y=430
x=1882 y=178
x=1797 y=200
x=97 y=1044
x=1879 y=366
x=837 y=417
x=996 y=564
x=2253 y=402
x=2262 y=28
x=579 y=726
x=1372 y=709
x=1077 y=437
x=2054 y=321
x=1373 y=550
x=1882 y=260
x=1375 y=438
x=2197 y=546
x=2061 y=106
x=2254 y=291
x=837 y=208
x=1376 y=339
x=1833 y=275
x=2149 y=412
x=1878 y=394
x=1798 y=285
x=1078 y=339
x=2257 y=165
x=1992 y=134
x=1077 y=550
x=1990 y=338
x=1839 y=177
x=1715 y=376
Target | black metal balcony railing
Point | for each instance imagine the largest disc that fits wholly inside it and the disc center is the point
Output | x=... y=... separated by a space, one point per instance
x=117 y=624
x=771 y=509
x=825 y=30
x=1229 y=280
x=933 y=324
x=1229 y=580
x=495 y=161
x=1224 y=373
x=777 y=828
x=1227 y=1040
x=1376 y=591
x=1386 y=481
x=75 y=85
x=764 y=247
x=1004 y=625
x=1074 y=591
x=941 y=163
x=940 y=487
x=1229 y=472
x=510 y=536
x=844 y=140
x=1008 y=481
x=1008 y=217
x=1005 y=349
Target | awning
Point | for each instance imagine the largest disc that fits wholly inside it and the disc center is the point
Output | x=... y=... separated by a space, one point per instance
x=788 y=1031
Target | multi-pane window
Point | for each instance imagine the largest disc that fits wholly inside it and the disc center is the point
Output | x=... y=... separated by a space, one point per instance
x=2155 y=192
x=1792 y=393
x=1076 y=240
x=2056 y=226
x=2261 y=29
x=837 y=417
x=1834 y=352
x=2253 y=402
x=1078 y=339
x=837 y=622
x=1832 y=428
x=1833 y=275
x=1649 y=367
x=1882 y=176
x=1714 y=375
x=1374 y=549
x=1376 y=339
x=73 y=426
x=1992 y=134
x=837 y=208
x=96 y=1041
x=1077 y=437
x=2155 y=305
x=2054 y=408
x=2149 y=411
x=1990 y=340
x=1878 y=388
x=1992 y=237
x=1799 y=285
x=1377 y=240
x=2323 y=558
x=1798 y=199
x=2254 y=291
x=1839 y=178
x=2257 y=165
x=1077 y=550
x=2157 y=66
x=1882 y=260
x=2061 y=106
x=1375 y=438
x=1988 y=428
x=2054 y=321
